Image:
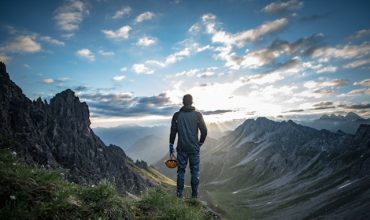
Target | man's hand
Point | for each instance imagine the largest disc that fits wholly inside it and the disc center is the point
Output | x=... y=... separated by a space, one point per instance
x=171 y=149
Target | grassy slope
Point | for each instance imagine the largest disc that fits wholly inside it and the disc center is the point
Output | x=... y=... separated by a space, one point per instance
x=36 y=193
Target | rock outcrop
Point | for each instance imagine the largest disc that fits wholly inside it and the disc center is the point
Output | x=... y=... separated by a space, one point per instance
x=58 y=135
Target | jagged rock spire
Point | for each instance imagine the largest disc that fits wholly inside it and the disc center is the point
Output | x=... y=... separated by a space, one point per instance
x=3 y=69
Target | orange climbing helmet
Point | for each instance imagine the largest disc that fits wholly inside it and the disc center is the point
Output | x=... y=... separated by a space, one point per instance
x=171 y=163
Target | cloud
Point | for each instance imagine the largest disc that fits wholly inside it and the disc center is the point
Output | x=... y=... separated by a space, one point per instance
x=23 y=44
x=86 y=53
x=144 y=16
x=48 y=81
x=4 y=58
x=119 y=34
x=323 y=105
x=125 y=10
x=215 y=112
x=230 y=40
x=118 y=78
x=282 y=7
x=123 y=69
x=365 y=83
x=348 y=51
x=51 y=40
x=105 y=53
x=81 y=88
x=140 y=68
x=294 y=110
x=325 y=83
x=327 y=69
x=200 y=73
x=252 y=35
x=70 y=15
x=357 y=92
x=357 y=106
x=324 y=91
x=126 y=105
x=276 y=49
x=357 y=63
x=360 y=34
x=189 y=49
x=289 y=68
x=146 y=41
x=195 y=28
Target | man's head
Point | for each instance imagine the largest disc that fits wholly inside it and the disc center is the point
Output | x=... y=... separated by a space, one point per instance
x=187 y=99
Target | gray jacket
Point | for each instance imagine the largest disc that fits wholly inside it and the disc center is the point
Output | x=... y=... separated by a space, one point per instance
x=186 y=123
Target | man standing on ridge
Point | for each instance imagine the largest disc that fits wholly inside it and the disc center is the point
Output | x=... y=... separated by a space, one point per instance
x=186 y=123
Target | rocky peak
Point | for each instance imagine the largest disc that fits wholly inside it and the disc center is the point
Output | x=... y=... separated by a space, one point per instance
x=3 y=70
x=58 y=135
x=67 y=106
x=352 y=116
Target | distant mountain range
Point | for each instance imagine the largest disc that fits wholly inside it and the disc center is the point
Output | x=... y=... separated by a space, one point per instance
x=348 y=123
x=58 y=135
x=282 y=170
x=127 y=136
x=151 y=143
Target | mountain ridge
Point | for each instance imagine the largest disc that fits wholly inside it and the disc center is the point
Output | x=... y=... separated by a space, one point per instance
x=58 y=135
x=269 y=170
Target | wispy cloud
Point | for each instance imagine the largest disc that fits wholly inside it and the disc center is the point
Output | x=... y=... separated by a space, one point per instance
x=358 y=63
x=365 y=82
x=141 y=69
x=125 y=10
x=48 y=81
x=282 y=7
x=200 y=73
x=240 y=39
x=23 y=44
x=119 y=34
x=327 y=69
x=125 y=104
x=70 y=15
x=188 y=49
x=357 y=92
x=118 y=78
x=51 y=40
x=360 y=34
x=86 y=54
x=323 y=105
x=216 y=112
x=325 y=83
x=343 y=51
x=146 y=41
x=144 y=16
x=105 y=53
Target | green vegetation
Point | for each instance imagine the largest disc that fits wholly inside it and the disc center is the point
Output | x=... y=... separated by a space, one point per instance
x=36 y=193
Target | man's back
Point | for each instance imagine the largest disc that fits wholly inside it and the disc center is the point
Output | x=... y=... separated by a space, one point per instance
x=186 y=123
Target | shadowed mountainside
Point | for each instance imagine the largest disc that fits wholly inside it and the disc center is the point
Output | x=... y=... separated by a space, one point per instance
x=282 y=170
x=58 y=135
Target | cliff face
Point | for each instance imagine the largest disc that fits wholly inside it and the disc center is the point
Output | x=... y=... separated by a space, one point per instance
x=58 y=135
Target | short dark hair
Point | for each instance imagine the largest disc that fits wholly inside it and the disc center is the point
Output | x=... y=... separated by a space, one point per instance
x=187 y=99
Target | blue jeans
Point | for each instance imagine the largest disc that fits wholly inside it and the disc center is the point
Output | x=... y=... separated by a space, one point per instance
x=182 y=160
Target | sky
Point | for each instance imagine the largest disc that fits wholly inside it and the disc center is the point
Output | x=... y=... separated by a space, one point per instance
x=132 y=61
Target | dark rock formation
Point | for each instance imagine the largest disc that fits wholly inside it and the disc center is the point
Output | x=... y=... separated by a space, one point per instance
x=58 y=135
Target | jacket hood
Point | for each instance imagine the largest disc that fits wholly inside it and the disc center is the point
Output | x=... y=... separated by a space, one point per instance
x=187 y=108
